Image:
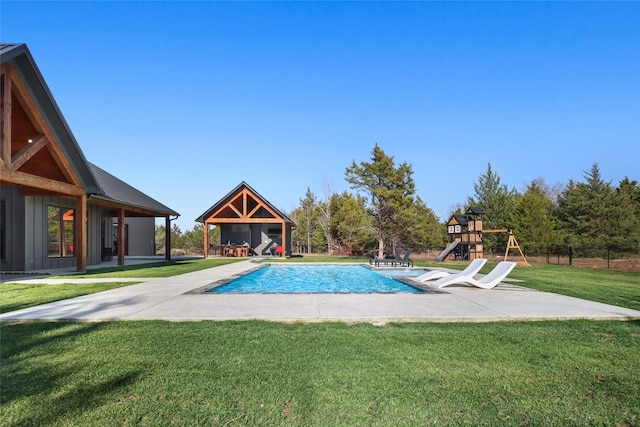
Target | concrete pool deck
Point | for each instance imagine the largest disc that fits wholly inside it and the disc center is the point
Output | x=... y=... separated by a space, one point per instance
x=173 y=299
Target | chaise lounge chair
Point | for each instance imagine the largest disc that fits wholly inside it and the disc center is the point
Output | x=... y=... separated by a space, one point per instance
x=386 y=261
x=405 y=261
x=489 y=281
x=472 y=269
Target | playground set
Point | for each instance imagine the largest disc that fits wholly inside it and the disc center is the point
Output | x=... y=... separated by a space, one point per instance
x=465 y=234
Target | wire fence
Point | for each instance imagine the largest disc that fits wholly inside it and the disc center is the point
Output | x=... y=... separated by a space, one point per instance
x=611 y=258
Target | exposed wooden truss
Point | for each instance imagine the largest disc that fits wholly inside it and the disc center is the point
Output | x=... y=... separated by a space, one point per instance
x=244 y=207
x=32 y=158
x=30 y=155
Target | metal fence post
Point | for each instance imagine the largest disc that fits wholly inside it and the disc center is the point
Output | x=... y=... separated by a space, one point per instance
x=570 y=256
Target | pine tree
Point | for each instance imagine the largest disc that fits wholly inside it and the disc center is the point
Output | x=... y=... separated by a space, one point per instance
x=388 y=190
x=351 y=226
x=533 y=219
x=627 y=202
x=497 y=201
x=587 y=212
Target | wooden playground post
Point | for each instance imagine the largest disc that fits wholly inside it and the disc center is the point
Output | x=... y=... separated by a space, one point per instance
x=512 y=243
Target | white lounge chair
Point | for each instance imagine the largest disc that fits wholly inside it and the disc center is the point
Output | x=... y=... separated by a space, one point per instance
x=472 y=269
x=489 y=281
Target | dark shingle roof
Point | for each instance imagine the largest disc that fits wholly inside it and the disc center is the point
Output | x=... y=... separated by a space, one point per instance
x=475 y=210
x=120 y=192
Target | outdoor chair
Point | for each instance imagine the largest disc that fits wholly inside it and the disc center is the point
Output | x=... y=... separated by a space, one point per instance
x=489 y=281
x=405 y=261
x=472 y=269
x=386 y=261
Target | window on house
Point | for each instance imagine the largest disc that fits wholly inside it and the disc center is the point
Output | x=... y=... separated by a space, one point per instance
x=60 y=232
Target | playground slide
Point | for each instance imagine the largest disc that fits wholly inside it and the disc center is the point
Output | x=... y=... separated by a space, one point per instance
x=446 y=251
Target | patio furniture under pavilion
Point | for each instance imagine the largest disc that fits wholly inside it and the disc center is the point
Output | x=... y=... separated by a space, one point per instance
x=249 y=225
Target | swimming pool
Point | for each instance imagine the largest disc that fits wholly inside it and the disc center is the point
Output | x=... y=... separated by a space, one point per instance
x=315 y=279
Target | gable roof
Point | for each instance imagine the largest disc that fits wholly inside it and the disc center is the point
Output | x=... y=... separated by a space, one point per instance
x=98 y=184
x=18 y=55
x=470 y=214
x=475 y=210
x=229 y=197
x=117 y=191
x=458 y=219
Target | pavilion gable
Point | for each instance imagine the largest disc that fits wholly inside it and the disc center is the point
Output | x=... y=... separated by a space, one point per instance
x=243 y=205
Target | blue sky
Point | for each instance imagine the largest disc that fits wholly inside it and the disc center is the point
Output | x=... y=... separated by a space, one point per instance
x=184 y=100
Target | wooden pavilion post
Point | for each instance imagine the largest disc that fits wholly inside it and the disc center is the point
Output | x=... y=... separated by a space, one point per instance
x=81 y=243
x=5 y=144
x=167 y=239
x=206 y=239
x=120 y=236
x=284 y=239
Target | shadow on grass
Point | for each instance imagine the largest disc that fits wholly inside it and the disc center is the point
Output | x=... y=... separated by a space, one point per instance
x=34 y=366
x=134 y=267
x=73 y=309
x=30 y=296
x=157 y=269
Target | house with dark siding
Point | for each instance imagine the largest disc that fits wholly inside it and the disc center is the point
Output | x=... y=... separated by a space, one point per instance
x=58 y=210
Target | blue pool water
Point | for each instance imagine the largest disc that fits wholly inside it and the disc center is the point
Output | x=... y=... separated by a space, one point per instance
x=315 y=279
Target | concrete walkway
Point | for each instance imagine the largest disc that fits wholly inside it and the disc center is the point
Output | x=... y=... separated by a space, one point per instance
x=174 y=299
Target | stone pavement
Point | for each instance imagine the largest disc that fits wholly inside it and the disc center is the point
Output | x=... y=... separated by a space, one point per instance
x=176 y=299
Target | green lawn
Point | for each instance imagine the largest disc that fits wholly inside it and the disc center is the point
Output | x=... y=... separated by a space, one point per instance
x=330 y=374
x=609 y=287
x=16 y=296
x=606 y=286
x=155 y=269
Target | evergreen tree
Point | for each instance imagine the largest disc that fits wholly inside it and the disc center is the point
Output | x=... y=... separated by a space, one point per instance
x=627 y=202
x=352 y=229
x=308 y=218
x=388 y=189
x=423 y=228
x=193 y=240
x=533 y=219
x=497 y=201
x=587 y=212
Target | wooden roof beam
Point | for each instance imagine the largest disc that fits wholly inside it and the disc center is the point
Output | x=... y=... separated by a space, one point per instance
x=28 y=152
x=24 y=179
x=5 y=144
x=214 y=221
x=33 y=112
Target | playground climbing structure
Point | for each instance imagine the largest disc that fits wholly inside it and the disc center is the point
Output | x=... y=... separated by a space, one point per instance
x=465 y=235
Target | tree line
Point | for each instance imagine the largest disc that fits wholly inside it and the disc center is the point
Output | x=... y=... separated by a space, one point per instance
x=383 y=212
